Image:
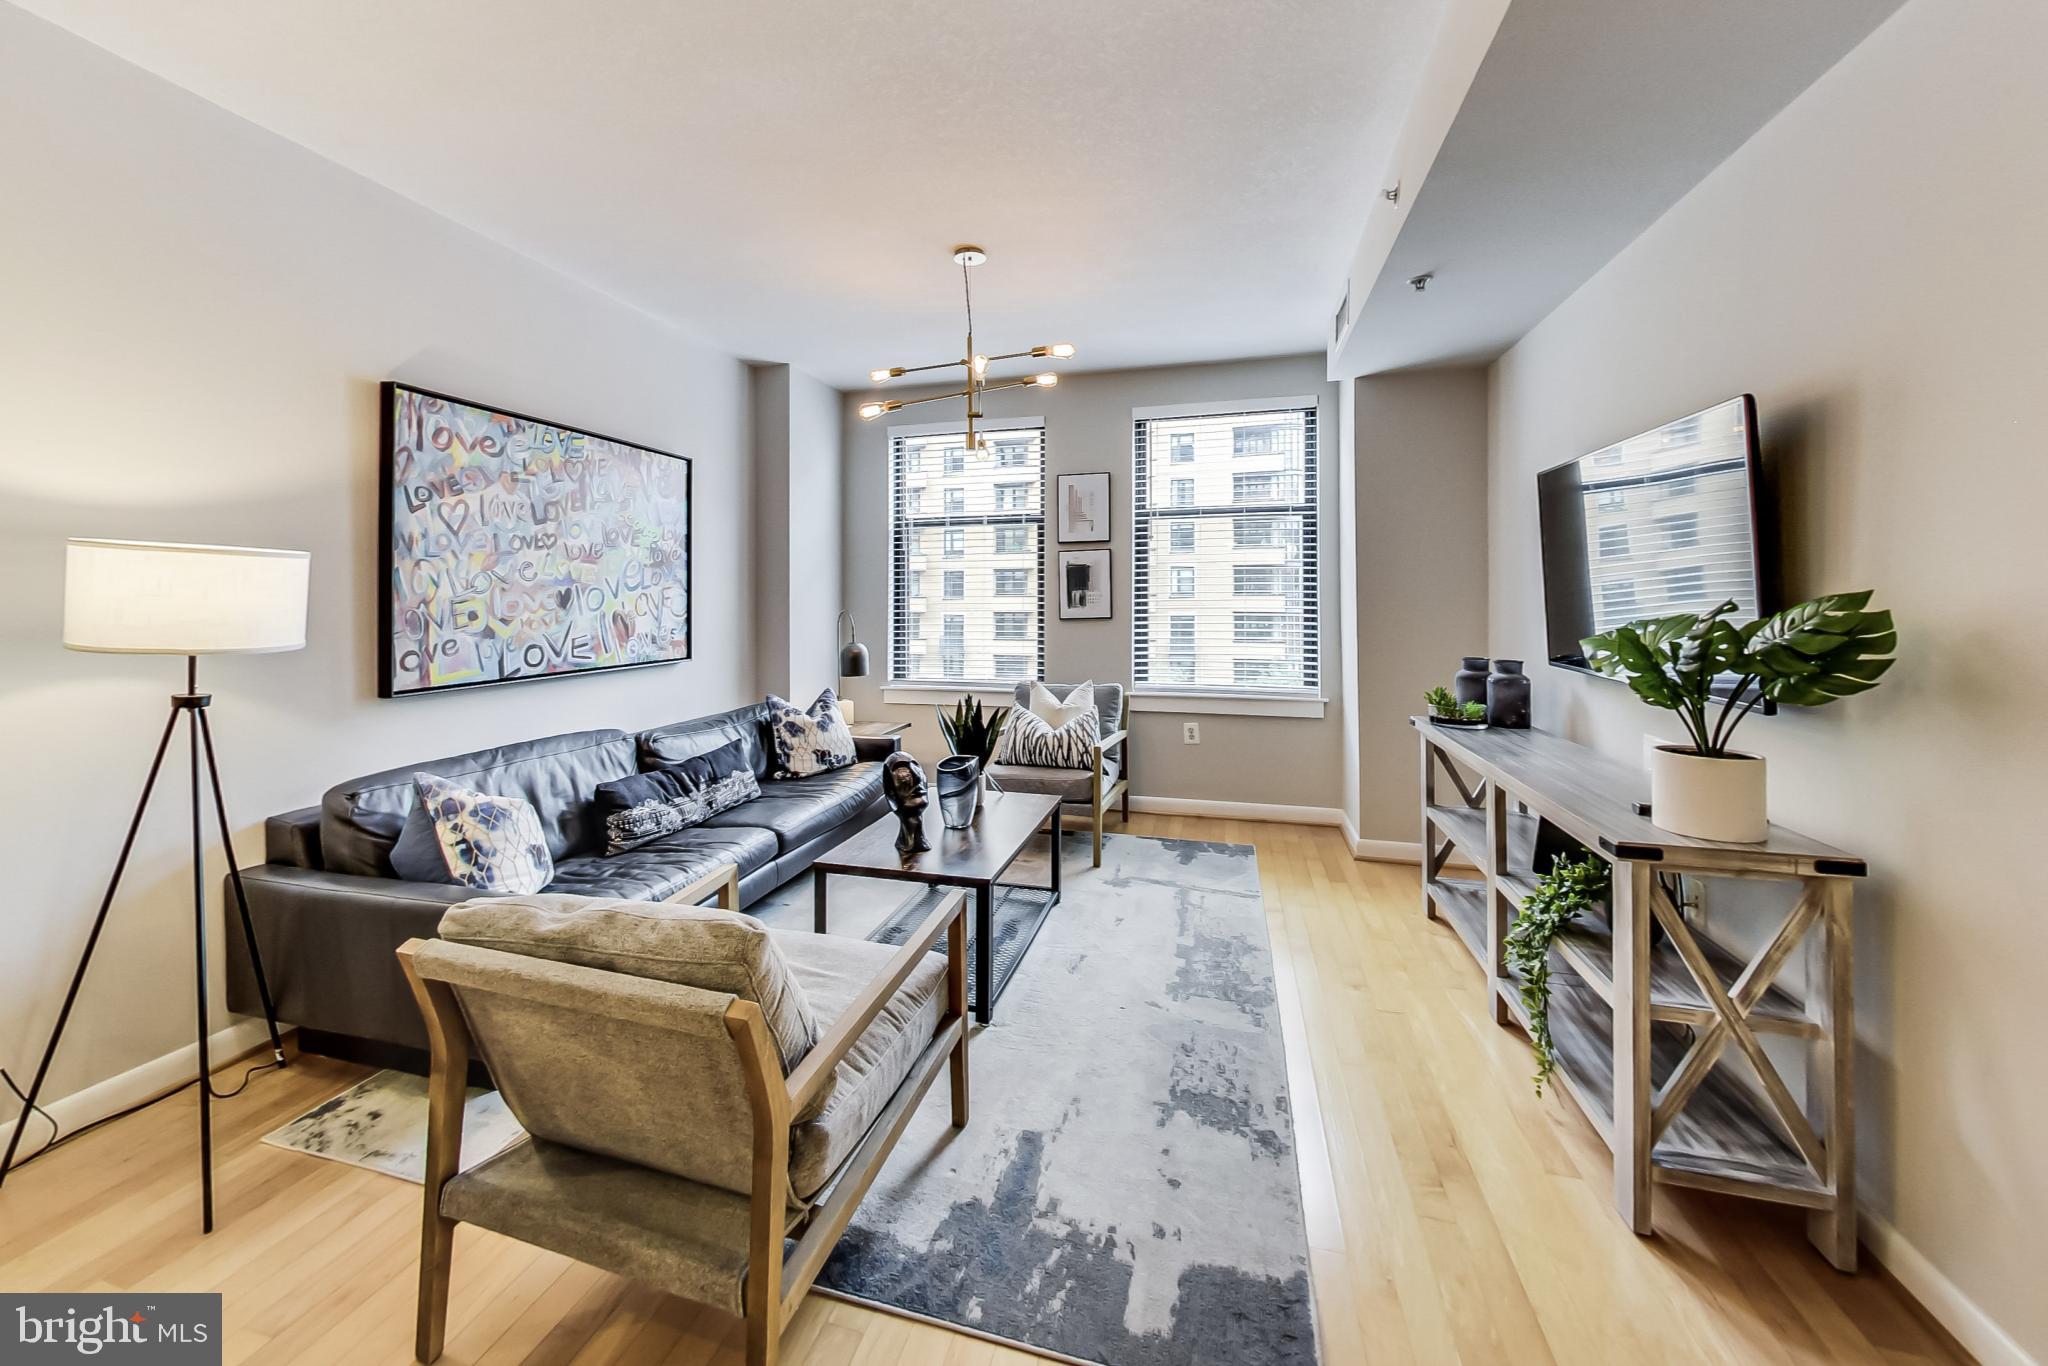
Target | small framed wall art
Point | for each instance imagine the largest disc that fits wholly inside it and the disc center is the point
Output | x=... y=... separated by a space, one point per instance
x=1084 y=507
x=1084 y=585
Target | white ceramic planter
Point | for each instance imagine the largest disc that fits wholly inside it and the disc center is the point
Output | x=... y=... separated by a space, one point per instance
x=1708 y=798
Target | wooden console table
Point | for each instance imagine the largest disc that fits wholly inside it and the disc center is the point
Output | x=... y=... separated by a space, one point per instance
x=1639 y=1029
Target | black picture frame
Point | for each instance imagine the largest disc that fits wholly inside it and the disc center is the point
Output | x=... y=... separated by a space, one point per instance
x=1060 y=507
x=1095 y=562
x=388 y=393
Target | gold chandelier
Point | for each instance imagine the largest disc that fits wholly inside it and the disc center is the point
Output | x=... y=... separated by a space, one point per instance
x=975 y=363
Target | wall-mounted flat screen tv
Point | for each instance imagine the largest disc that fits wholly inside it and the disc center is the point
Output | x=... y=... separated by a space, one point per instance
x=1660 y=523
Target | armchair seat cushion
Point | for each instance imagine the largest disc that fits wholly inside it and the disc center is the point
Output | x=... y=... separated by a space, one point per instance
x=832 y=971
x=677 y=1235
x=799 y=810
x=663 y=866
x=1068 y=784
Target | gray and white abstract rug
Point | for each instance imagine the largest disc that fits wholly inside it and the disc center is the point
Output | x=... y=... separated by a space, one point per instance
x=1126 y=1189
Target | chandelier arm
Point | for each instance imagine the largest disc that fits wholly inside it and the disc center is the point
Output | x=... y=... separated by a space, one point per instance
x=933 y=398
x=1041 y=353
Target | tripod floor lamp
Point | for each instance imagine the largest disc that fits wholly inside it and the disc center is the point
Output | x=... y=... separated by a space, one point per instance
x=151 y=598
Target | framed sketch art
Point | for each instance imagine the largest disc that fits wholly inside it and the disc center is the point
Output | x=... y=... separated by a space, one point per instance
x=516 y=548
x=1084 y=507
x=1084 y=585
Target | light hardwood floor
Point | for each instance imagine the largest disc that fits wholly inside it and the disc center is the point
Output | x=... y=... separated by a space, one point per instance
x=1452 y=1216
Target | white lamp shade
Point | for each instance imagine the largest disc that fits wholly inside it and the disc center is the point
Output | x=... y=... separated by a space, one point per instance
x=154 y=598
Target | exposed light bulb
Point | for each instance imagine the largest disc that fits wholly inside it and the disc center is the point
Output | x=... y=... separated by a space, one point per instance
x=1062 y=350
x=980 y=364
x=880 y=376
x=1046 y=380
x=870 y=410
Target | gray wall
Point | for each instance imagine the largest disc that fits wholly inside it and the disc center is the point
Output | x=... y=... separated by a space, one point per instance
x=1870 y=266
x=198 y=315
x=1284 y=760
x=1420 y=581
x=794 y=442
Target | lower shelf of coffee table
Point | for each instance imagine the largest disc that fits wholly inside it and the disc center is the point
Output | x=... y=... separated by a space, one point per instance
x=1018 y=914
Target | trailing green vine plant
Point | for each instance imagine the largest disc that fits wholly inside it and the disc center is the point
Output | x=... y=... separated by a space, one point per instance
x=1571 y=886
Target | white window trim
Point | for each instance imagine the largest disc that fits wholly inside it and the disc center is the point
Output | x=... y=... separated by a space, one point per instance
x=1243 y=405
x=928 y=694
x=1164 y=699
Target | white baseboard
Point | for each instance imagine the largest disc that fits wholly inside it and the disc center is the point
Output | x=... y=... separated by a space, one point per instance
x=1387 y=851
x=130 y=1088
x=1976 y=1330
x=1239 y=811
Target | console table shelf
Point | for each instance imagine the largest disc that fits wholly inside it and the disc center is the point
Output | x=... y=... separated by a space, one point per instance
x=1658 y=1089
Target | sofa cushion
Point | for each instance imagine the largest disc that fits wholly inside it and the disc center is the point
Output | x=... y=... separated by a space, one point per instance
x=1068 y=784
x=661 y=801
x=1030 y=739
x=360 y=820
x=1109 y=701
x=809 y=741
x=491 y=843
x=660 y=868
x=798 y=810
x=833 y=971
x=695 y=946
x=672 y=744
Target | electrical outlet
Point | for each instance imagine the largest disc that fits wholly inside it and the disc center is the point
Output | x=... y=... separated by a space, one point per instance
x=1191 y=732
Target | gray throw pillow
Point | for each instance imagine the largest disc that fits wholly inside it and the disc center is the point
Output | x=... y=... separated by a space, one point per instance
x=694 y=946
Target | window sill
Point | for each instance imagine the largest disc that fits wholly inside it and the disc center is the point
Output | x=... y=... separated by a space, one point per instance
x=1226 y=704
x=929 y=694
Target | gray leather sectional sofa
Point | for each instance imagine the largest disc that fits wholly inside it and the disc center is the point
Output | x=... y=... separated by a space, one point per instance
x=330 y=912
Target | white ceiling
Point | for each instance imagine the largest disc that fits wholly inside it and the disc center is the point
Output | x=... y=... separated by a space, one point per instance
x=1157 y=181
x=1585 y=122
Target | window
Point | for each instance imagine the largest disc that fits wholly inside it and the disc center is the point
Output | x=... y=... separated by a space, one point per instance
x=1680 y=531
x=1617 y=603
x=1255 y=580
x=1680 y=486
x=979 y=523
x=1687 y=584
x=1613 y=541
x=1230 y=607
x=1263 y=439
x=1612 y=500
x=1255 y=628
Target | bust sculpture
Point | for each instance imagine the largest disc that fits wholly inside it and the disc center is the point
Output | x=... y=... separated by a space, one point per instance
x=903 y=785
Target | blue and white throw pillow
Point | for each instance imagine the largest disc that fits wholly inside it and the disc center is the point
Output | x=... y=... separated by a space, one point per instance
x=809 y=742
x=674 y=797
x=492 y=844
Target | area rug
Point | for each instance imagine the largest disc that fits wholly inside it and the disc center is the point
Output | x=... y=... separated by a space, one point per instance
x=1125 y=1191
x=1126 y=1188
x=381 y=1123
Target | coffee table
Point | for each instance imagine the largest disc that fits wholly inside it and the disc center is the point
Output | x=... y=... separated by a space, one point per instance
x=1006 y=915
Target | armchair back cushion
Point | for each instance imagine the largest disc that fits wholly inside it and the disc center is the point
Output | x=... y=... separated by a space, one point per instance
x=1109 y=702
x=628 y=1067
x=699 y=946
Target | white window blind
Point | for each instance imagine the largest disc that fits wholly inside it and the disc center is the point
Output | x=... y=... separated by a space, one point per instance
x=1223 y=553
x=980 y=620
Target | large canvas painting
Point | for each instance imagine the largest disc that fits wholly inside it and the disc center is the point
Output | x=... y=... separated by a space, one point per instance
x=518 y=549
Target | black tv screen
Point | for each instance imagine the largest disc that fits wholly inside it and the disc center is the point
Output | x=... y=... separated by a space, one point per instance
x=1660 y=523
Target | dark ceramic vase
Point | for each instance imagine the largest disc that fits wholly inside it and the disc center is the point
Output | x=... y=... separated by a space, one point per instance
x=1469 y=683
x=1507 y=696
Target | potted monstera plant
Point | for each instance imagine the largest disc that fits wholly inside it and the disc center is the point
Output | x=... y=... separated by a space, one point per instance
x=1804 y=656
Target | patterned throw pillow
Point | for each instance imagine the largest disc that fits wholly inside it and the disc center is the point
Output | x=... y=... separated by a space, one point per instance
x=1029 y=742
x=493 y=844
x=674 y=797
x=809 y=742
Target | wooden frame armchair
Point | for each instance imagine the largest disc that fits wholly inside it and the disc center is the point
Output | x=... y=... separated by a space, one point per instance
x=660 y=1117
x=1106 y=783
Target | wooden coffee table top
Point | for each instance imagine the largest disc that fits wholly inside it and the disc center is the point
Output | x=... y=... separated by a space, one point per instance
x=966 y=858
